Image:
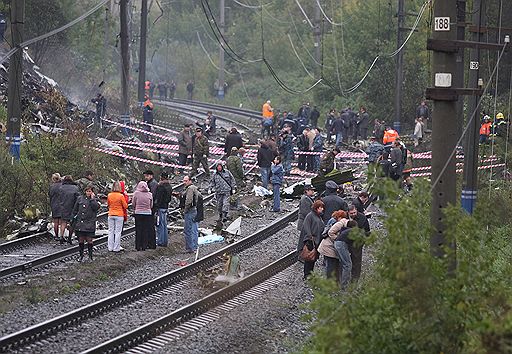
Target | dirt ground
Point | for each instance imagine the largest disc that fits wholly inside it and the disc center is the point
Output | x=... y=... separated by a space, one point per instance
x=73 y=276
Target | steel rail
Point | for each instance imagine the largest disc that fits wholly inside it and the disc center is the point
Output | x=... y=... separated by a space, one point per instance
x=199 y=114
x=212 y=106
x=67 y=253
x=23 y=242
x=151 y=330
x=49 y=327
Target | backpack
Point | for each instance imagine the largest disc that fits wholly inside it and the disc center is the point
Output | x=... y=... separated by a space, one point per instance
x=267 y=122
x=199 y=204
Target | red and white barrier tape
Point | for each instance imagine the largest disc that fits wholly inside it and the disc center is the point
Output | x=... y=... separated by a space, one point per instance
x=130 y=157
x=458 y=171
x=164 y=137
x=215 y=150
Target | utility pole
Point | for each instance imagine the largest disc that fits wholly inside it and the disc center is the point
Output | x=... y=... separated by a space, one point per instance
x=444 y=124
x=142 y=52
x=399 y=66
x=15 y=79
x=220 y=92
x=125 y=63
x=459 y=78
x=317 y=33
x=470 y=186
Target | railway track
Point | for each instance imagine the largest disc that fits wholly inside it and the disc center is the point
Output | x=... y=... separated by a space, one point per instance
x=220 y=108
x=192 y=317
x=190 y=111
x=37 y=241
x=161 y=285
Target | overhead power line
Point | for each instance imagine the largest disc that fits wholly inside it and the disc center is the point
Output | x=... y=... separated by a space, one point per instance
x=54 y=32
x=325 y=15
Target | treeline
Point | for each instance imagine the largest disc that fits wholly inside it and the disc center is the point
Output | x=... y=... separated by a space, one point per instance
x=182 y=47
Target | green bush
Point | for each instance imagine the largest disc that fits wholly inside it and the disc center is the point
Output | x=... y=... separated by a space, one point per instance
x=26 y=183
x=410 y=303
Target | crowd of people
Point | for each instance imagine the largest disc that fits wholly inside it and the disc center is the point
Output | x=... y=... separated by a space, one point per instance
x=326 y=227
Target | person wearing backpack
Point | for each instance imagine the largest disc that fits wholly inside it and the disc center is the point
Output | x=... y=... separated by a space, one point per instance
x=223 y=184
x=188 y=203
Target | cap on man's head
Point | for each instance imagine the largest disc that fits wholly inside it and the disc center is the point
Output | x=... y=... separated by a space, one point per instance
x=187 y=125
x=199 y=130
x=164 y=175
x=148 y=172
x=234 y=148
x=309 y=187
x=331 y=185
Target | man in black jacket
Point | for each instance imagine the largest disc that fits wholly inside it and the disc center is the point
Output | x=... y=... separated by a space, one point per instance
x=362 y=124
x=356 y=250
x=313 y=117
x=332 y=200
x=233 y=139
x=265 y=157
x=360 y=202
x=303 y=146
x=162 y=198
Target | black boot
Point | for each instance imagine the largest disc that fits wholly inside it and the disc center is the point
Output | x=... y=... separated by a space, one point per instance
x=62 y=240
x=69 y=239
x=81 y=248
x=89 y=248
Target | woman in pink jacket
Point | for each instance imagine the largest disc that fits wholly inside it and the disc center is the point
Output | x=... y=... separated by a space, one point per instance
x=142 y=202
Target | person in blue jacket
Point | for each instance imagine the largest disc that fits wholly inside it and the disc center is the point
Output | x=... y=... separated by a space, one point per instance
x=277 y=180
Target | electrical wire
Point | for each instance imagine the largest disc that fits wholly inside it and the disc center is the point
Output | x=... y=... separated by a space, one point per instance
x=208 y=55
x=495 y=99
x=304 y=13
x=325 y=15
x=508 y=119
x=470 y=120
x=300 y=60
x=251 y=6
x=218 y=33
x=304 y=45
x=54 y=32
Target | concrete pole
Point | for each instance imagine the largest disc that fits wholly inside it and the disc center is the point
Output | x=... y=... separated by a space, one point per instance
x=444 y=128
x=142 y=51
x=15 y=87
x=399 y=67
x=125 y=63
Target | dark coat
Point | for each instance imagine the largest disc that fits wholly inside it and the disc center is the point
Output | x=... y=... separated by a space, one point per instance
x=69 y=194
x=364 y=120
x=185 y=143
x=312 y=227
x=303 y=143
x=147 y=115
x=85 y=213
x=338 y=126
x=265 y=156
x=374 y=151
x=304 y=209
x=362 y=222
x=162 y=196
x=152 y=184
x=332 y=202
x=233 y=140
x=313 y=117
x=359 y=205
x=55 y=199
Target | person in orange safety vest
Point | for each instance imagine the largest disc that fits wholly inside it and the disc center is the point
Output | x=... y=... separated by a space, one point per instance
x=485 y=130
x=390 y=135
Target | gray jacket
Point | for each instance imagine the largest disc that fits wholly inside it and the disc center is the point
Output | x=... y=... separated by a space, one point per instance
x=222 y=182
x=68 y=195
x=55 y=199
x=312 y=229
x=304 y=209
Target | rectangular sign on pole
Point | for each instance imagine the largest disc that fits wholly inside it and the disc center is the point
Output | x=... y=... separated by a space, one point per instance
x=441 y=24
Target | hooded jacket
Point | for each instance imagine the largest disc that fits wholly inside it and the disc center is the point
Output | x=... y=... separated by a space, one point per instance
x=332 y=202
x=265 y=156
x=142 y=200
x=277 y=174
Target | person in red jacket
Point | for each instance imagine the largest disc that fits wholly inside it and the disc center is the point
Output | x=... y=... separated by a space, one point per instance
x=485 y=130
